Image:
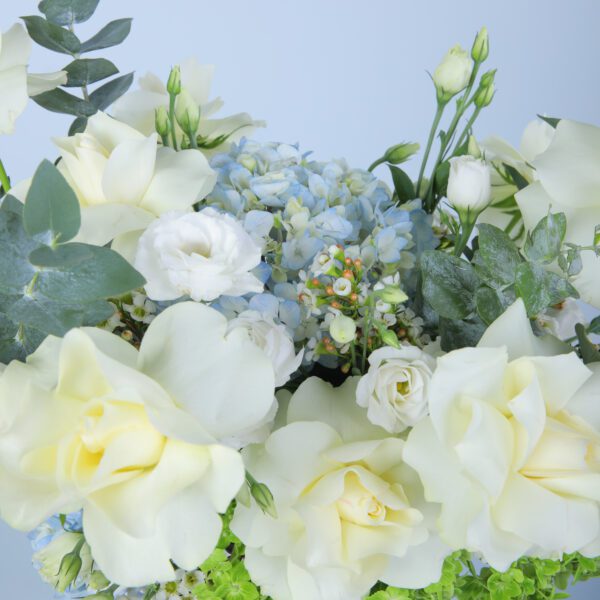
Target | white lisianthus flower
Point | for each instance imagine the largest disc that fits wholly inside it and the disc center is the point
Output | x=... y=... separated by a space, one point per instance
x=16 y=85
x=395 y=389
x=123 y=181
x=453 y=73
x=560 y=320
x=133 y=438
x=469 y=186
x=510 y=449
x=199 y=254
x=350 y=512
x=274 y=340
x=137 y=108
x=568 y=181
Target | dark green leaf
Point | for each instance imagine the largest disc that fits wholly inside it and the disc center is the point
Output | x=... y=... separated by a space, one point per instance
x=51 y=210
x=67 y=12
x=540 y=288
x=78 y=125
x=62 y=102
x=489 y=303
x=516 y=177
x=51 y=36
x=105 y=95
x=544 y=243
x=76 y=273
x=84 y=71
x=594 y=327
x=403 y=185
x=449 y=284
x=110 y=35
x=442 y=173
x=552 y=121
x=460 y=334
x=16 y=341
x=15 y=245
x=589 y=351
x=499 y=253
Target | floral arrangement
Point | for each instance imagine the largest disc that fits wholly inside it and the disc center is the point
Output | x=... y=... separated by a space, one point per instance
x=232 y=371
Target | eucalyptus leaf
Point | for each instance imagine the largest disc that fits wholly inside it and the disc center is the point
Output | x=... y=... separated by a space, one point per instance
x=62 y=102
x=460 y=334
x=403 y=185
x=52 y=36
x=17 y=341
x=594 y=326
x=105 y=95
x=499 y=253
x=67 y=12
x=544 y=243
x=448 y=284
x=84 y=71
x=110 y=35
x=489 y=303
x=51 y=209
x=78 y=125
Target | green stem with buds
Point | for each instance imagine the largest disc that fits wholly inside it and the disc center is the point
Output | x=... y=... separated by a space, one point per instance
x=172 y=121
x=4 y=179
x=436 y=121
x=468 y=127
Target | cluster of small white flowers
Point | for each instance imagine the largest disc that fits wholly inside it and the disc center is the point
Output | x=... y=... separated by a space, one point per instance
x=182 y=587
x=141 y=308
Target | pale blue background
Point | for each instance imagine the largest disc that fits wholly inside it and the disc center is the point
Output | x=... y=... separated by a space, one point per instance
x=342 y=77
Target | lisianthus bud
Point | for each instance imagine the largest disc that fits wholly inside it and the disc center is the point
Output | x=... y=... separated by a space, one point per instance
x=485 y=91
x=98 y=581
x=69 y=569
x=342 y=329
x=263 y=497
x=400 y=153
x=469 y=186
x=187 y=113
x=453 y=73
x=174 y=81
x=389 y=338
x=161 y=122
x=481 y=46
x=392 y=294
x=473 y=148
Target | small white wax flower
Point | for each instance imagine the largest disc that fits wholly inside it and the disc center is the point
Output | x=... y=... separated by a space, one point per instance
x=203 y=255
x=342 y=329
x=342 y=286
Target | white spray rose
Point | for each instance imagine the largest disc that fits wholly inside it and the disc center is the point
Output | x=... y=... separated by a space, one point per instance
x=15 y=83
x=273 y=339
x=394 y=390
x=469 y=186
x=133 y=438
x=350 y=512
x=510 y=449
x=200 y=254
x=453 y=73
x=568 y=181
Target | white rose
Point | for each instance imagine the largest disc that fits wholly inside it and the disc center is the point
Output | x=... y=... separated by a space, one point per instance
x=274 y=340
x=350 y=512
x=123 y=180
x=568 y=181
x=133 y=438
x=453 y=73
x=137 y=108
x=15 y=83
x=510 y=449
x=469 y=186
x=394 y=390
x=200 y=254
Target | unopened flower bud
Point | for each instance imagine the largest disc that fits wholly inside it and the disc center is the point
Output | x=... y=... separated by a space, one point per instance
x=473 y=148
x=161 y=122
x=69 y=569
x=392 y=294
x=98 y=581
x=389 y=338
x=481 y=46
x=400 y=153
x=484 y=95
x=187 y=113
x=342 y=329
x=174 y=81
x=469 y=185
x=453 y=74
x=263 y=497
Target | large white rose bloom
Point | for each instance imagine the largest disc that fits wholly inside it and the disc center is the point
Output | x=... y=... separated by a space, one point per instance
x=510 y=449
x=132 y=438
x=138 y=108
x=275 y=341
x=394 y=390
x=350 y=512
x=16 y=85
x=568 y=181
x=123 y=180
x=469 y=187
x=200 y=254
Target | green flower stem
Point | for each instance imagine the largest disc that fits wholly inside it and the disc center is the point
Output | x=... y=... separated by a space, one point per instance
x=366 y=328
x=436 y=121
x=375 y=164
x=468 y=127
x=4 y=179
x=467 y=223
x=172 y=121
